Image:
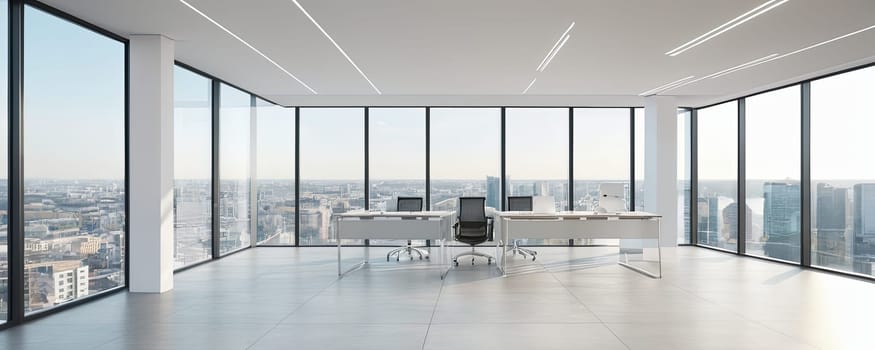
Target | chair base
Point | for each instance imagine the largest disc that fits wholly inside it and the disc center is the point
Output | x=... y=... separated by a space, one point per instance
x=473 y=253
x=409 y=249
x=525 y=252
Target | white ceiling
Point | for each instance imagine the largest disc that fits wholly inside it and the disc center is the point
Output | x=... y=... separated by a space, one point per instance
x=458 y=52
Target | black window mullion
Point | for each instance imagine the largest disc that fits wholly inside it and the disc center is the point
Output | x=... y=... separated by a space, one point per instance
x=16 y=165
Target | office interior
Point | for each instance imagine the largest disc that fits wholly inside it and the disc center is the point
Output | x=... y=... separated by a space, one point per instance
x=274 y=174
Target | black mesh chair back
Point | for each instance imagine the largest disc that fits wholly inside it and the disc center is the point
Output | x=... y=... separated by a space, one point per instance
x=519 y=203
x=473 y=225
x=409 y=204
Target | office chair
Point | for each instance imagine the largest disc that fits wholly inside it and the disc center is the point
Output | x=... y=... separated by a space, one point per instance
x=520 y=203
x=472 y=227
x=408 y=204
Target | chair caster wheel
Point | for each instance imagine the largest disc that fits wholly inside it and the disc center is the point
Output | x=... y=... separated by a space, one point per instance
x=488 y=261
x=426 y=256
x=534 y=257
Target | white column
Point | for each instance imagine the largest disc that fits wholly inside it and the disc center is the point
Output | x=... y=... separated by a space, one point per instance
x=151 y=164
x=660 y=163
x=253 y=176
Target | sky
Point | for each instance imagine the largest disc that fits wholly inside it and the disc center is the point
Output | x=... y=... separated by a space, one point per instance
x=74 y=105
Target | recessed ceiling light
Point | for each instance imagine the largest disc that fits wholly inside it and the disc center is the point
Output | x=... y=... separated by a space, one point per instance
x=204 y=15
x=739 y=67
x=769 y=58
x=824 y=42
x=656 y=90
x=555 y=52
x=746 y=65
x=530 y=85
x=337 y=46
x=556 y=47
x=747 y=16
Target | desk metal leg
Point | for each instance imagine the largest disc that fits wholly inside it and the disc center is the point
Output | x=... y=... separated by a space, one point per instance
x=623 y=260
x=445 y=265
x=340 y=272
x=504 y=238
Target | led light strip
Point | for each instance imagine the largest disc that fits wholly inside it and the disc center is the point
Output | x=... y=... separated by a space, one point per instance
x=555 y=49
x=530 y=85
x=770 y=58
x=337 y=46
x=248 y=45
x=747 y=16
x=661 y=88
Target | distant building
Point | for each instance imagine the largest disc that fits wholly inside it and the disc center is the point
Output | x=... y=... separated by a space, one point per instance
x=831 y=248
x=707 y=220
x=730 y=221
x=864 y=228
x=493 y=192
x=55 y=282
x=782 y=216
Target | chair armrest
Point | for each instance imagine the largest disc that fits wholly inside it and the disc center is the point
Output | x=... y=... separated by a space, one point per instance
x=489 y=235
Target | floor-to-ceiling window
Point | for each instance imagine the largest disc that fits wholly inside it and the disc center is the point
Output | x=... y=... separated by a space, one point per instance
x=192 y=167
x=74 y=154
x=331 y=168
x=842 y=173
x=275 y=171
x=773 y=170
x=235 y=112
x=4 y=152
x=601 y=154
x=465 y=156
x=718 y=171
x=536 y=151
x=396 y=160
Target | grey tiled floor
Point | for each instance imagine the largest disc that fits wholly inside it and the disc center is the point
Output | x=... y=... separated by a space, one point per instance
x=570 y=298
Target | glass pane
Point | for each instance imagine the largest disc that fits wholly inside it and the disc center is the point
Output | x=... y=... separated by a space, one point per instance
x=601 y=153
x=234 y=117
x=639 y=159
x=74 y=148
x=397 y=155
x=537 y=156
x=332 y=169
x=683 y=187
x=842 y=174
x=773 y=129
x=276 y=174
x=465 y=156
x=718 y=170
x=192 y=168
x=4 y=153
x=397 y=158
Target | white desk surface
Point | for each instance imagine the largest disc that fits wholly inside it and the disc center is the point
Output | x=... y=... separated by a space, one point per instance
x=575 y=215
x=394 y=214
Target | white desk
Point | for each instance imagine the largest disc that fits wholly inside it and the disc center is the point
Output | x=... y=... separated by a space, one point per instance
x=576 y=225
x=433 y=225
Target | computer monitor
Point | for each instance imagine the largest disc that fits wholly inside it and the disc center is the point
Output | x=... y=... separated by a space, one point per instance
x=612 y=197
x=543 y=204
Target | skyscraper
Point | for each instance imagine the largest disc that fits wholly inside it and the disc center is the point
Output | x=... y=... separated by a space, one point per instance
x=730 y=220
x=707 y=220
x=782 y=217
x=831 y=249
x=493 y=192
x=864 y=227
